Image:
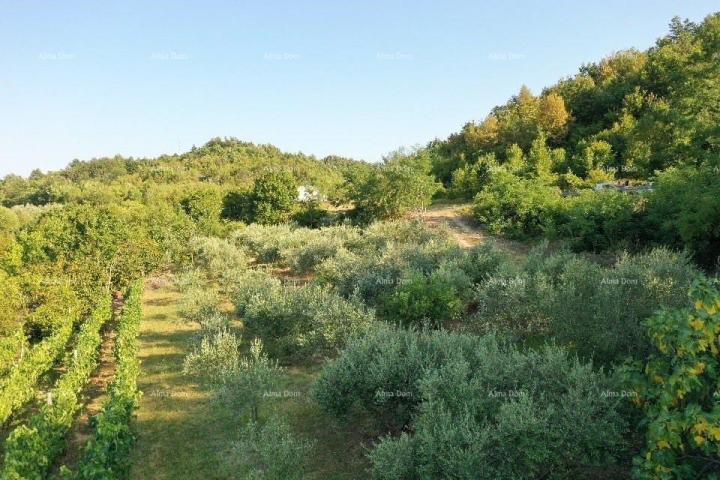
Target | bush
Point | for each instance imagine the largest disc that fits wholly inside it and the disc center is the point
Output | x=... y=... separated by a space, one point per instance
x=599 y=220
x=18 y=387
x=597 y=311
x=512 y=302
x=677 y=390
x=478 y=407
x=203 y=206
x=517 y=207
x=244 y=286
x=268 y=243
x=600 y=311
x=481 y=262
x=379 y=372
x=270 y=201
x=240 y=381
x=432 y=299
x=215 y=256
x=402 y=183
x=312 y=215
x=198 y=303
x=11 y=303
x=304 y=259
x=381 y=263
x=302 y=320
x=12 y=348
x=269 y=452
x=684 y=209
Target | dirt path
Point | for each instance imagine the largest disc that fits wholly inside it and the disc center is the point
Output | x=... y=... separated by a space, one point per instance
x=458 y=220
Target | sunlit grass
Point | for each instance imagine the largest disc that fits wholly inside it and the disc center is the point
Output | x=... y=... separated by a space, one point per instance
x=184 y=434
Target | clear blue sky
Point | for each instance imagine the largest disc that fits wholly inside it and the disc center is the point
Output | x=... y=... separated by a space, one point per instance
x=142 y=78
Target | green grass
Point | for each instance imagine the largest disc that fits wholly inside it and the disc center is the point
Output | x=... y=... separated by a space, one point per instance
x=184 y=434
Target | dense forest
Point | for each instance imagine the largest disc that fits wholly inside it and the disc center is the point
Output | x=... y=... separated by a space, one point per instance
x=590 y=351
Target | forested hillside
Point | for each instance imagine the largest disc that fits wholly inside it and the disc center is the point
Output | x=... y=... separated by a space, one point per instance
x=590 y=352
x=632 y=118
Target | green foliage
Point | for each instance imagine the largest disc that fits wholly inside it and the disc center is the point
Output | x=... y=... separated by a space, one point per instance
x=684 y=210
x=635 y=115
x=272 y=197
x=515 y=206
x=204 y=206
x=677 y=390
x=312 y=215
x=590 y=155
x=11 y=303
x=102 y=247
x=478 y=407
x=215 y=256
x=420 y=299
x=597 y=221
x=12 y=349
x=597 y=311
x=31 y=449
x=308 y=320
x=301 y=249
x=270 y=201
x=241 y=381
x=471 y=178
x=19 y=386
x=269 y=452
x=106 y=454
x=401 y=184
x=198 y=303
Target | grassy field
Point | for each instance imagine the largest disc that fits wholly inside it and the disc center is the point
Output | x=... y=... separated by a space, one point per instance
x=184 y=434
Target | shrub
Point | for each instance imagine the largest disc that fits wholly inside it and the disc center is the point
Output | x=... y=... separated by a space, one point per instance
x=303 y=320
x=12 y=349
x=270 y=201
x=596 y=311
x=305 y=258
x=599 y=220
x=244 y=286
x=600 y=310
x=215 y=256
x=379 y=372
x=189 y=280
x=11 y=303
x=517 y=207
x=381 y=264
x=512 y=302
x=677 y=390
x=269 y=452
x=268 y=243
x=470 y=178
x=480 y=262
x=389 y=191
x=418 y=299
x=18 y=387
x=203 y=206
x=363 y=276
x=198 y=303
x=240 y=381
x=684 y=210
x=312 y=215
x=478 y=406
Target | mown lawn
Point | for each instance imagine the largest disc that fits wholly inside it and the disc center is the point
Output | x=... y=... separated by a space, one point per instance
x=184 y=434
